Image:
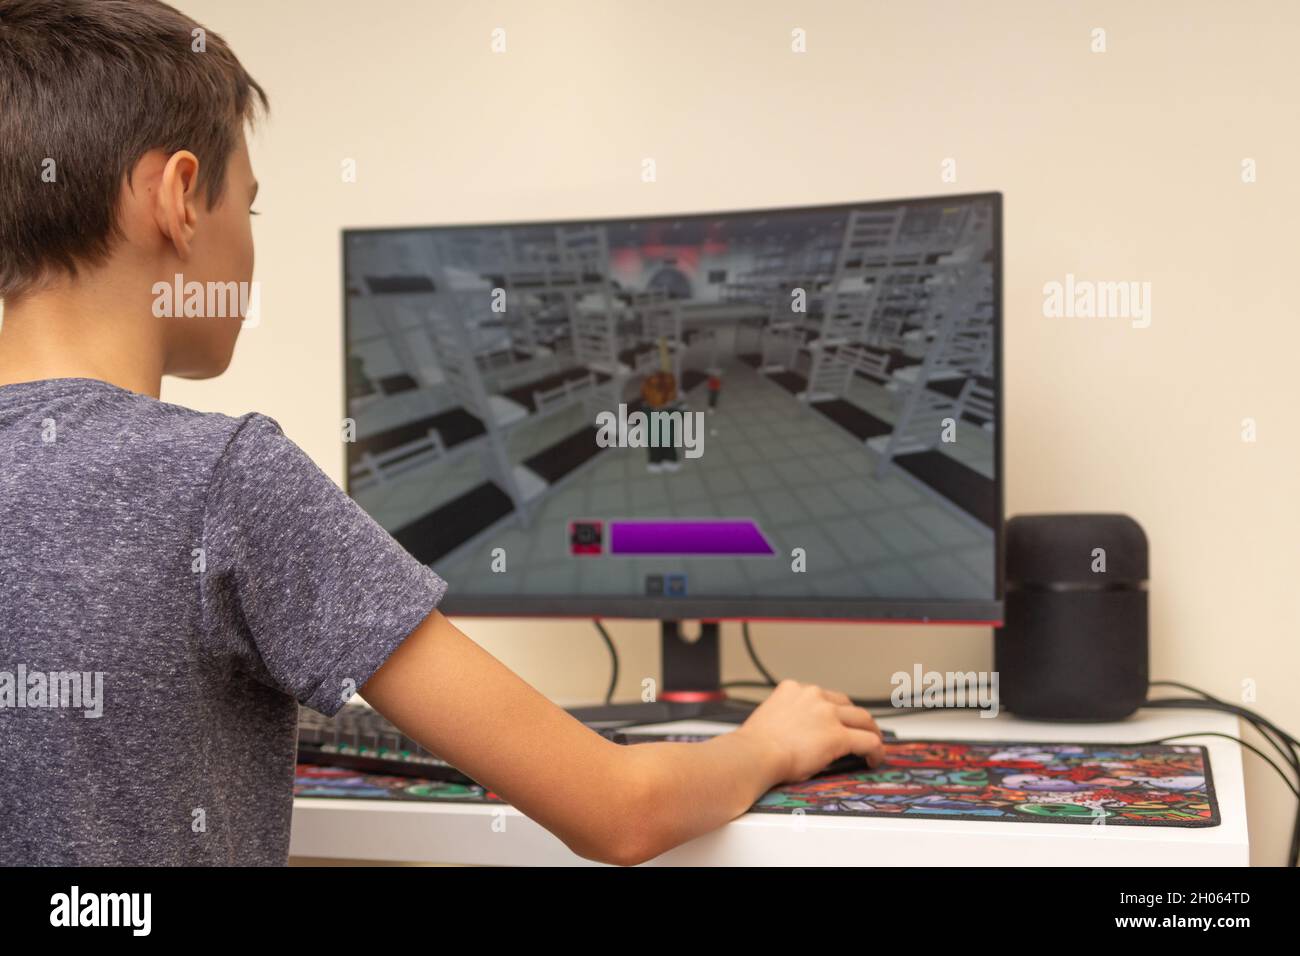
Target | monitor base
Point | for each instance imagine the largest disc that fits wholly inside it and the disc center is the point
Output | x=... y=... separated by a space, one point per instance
x=692 y=684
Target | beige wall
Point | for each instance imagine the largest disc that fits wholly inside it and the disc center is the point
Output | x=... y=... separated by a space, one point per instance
x=1123 y=165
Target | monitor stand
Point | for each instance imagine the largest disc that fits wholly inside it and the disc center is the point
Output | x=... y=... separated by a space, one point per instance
x=692 y=684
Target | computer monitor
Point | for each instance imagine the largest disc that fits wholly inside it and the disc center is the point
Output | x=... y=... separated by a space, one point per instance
x=776 y=413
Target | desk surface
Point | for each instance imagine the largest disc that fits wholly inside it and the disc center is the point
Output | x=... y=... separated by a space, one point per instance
x=476 y=834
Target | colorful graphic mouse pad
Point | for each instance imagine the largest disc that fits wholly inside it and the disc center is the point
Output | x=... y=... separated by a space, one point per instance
x=1110 y=784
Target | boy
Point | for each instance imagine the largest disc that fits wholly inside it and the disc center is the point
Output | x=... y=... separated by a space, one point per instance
x=173 y=584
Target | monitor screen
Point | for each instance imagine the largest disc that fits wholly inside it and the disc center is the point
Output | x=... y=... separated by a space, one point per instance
x=781 y=413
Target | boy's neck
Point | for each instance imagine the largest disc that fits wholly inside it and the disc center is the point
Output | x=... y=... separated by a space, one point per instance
x=82 y=330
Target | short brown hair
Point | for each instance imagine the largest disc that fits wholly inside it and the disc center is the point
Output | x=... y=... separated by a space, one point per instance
x=87 y=87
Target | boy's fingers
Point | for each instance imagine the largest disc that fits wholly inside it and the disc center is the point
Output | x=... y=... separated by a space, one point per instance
x=857 y=717
x=868 y=745
x=835 y=697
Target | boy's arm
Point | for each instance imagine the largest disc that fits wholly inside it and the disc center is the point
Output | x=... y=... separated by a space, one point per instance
x=613 y=803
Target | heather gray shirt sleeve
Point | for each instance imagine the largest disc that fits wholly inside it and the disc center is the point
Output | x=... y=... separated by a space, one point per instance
x=301 y=587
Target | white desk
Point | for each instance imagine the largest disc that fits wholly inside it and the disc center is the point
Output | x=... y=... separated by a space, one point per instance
x=476 y=834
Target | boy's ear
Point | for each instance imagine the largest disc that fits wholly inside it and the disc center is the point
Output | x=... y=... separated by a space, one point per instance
x=176 y=211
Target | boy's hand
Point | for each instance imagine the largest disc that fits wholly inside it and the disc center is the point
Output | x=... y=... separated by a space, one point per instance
x=805 y=727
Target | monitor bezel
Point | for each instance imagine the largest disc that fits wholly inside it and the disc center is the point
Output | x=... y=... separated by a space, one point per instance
x=753 y=608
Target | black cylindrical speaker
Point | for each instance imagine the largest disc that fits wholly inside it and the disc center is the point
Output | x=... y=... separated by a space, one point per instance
x=1074 y=642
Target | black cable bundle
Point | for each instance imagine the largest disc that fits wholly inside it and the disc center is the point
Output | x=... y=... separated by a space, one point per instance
x=1286 y=745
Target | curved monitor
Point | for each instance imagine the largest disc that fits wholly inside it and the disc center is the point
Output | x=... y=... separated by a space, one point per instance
x=779 y=413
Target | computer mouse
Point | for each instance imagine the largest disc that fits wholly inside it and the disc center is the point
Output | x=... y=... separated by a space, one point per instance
x=852 y=763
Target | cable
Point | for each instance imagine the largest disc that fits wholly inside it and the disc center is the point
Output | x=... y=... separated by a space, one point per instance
x=613 y=660
x=753 y=655
x=1283 y=742
x=1246 y=712
x=747 y=683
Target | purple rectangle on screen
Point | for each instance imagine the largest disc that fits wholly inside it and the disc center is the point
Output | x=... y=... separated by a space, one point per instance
x=687 y=537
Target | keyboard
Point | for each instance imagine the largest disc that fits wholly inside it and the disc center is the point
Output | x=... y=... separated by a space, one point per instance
x=359 y=738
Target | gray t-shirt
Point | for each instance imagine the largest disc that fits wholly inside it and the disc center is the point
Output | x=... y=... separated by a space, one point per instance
x=206 y=577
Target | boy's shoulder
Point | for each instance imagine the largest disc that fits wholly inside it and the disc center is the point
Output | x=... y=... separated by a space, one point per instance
x=180 y=422
x=152 y=421
x=92 y=419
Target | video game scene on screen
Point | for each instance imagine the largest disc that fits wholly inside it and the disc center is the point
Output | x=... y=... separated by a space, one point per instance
x=679 y=405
